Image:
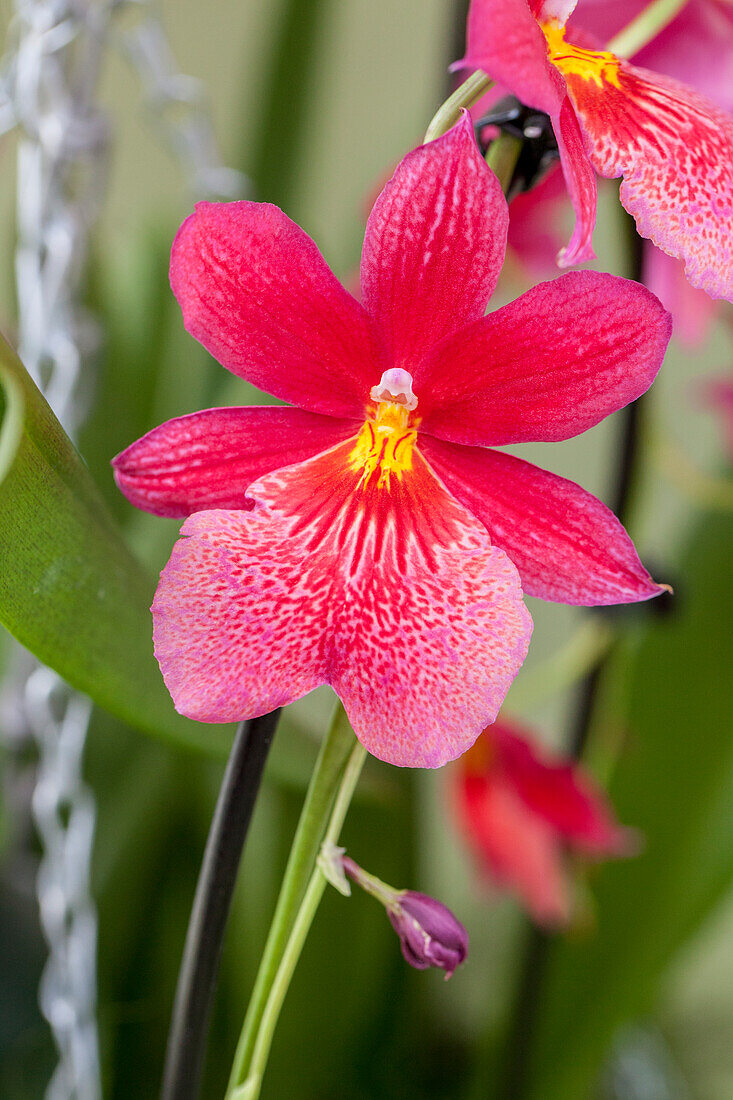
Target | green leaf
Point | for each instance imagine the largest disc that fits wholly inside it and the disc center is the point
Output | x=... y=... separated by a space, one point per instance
x=70 y=590
x=675 y=783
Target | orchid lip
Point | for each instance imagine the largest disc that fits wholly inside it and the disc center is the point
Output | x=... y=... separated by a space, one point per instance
x=395 y=387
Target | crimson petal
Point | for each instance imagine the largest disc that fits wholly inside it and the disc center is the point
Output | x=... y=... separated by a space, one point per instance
x=256 y=292
x=434 y=245
x=547 y=366
x=209 y=459
x=566 y=544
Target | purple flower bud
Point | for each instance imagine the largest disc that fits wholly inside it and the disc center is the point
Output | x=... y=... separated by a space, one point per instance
x=429 y=933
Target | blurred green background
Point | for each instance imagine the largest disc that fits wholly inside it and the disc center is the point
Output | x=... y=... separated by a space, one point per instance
x=315 y=101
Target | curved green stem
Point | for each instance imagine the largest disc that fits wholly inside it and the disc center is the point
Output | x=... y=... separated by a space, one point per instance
x=646 y=26
x=464 y=96
x=249 y=1089
x=502 y=156
x=332 y=760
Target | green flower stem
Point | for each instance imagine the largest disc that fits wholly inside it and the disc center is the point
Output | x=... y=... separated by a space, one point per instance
x=502 y=156
x=464 y=96
x=332 y=761
x=647 y=24
x=250 y=1088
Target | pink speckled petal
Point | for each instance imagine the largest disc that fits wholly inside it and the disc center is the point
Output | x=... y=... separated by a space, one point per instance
x=693 y=311
x=209 y=459
x=558 y=792
x=674 y=150
x=581 y=183
x=392 y=596
x=504 y=39
x=566 y=544
x=434 y=245
x=547 y=366
x=257 y=293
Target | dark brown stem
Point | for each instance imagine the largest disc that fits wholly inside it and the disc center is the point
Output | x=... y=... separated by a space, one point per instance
x=202 y=951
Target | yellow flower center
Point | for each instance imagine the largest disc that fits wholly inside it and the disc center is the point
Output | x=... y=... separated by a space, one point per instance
x=603 y=68
x=385 y=444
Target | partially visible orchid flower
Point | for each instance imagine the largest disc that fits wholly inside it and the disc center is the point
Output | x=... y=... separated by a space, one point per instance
x=695 y=47
x=673 y=147
x=520 y=813
x=370 y=538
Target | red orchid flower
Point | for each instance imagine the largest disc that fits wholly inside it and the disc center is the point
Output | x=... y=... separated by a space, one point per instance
x=348 y=541
x=673 y=147
x=520 y=813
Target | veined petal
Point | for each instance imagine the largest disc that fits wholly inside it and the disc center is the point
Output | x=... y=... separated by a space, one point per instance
x=392 y=594
x=434 y=245
x=547 y=366
x=559 y=793
x=209 y=459
x=581 y=183
x=674 y=150
x=504 y=39
x=566 y=544
x=256 y=292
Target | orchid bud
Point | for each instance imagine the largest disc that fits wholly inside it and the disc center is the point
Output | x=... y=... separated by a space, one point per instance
x=429 y=933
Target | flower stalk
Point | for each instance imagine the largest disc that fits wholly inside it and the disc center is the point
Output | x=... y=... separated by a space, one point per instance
x=259 y=1027
x=465 y=95
x=329 y=773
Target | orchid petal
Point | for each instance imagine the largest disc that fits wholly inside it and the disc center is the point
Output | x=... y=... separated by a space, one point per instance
x=674 y=150
x=505 y=40
x=547 y=366
x=559 y=793
x=566 y=544
x=434 y=245
x=520 y=850
x=256 y=292
x=209 y=459
x=581 y=183
x=392 y=595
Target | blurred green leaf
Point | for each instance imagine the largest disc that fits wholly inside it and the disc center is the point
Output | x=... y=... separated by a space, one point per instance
x=675 y=783
x=69 y=589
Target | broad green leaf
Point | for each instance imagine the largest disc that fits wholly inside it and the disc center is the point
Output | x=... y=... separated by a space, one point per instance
x=675 y=783
x=69 y=589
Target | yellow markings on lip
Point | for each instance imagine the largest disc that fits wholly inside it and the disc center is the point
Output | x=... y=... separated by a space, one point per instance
x=602 y=68
x=384 y=445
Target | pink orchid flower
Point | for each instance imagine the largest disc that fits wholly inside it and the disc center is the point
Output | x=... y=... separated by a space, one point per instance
x=520 y=813
x=369 y=538
x=673 y=147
